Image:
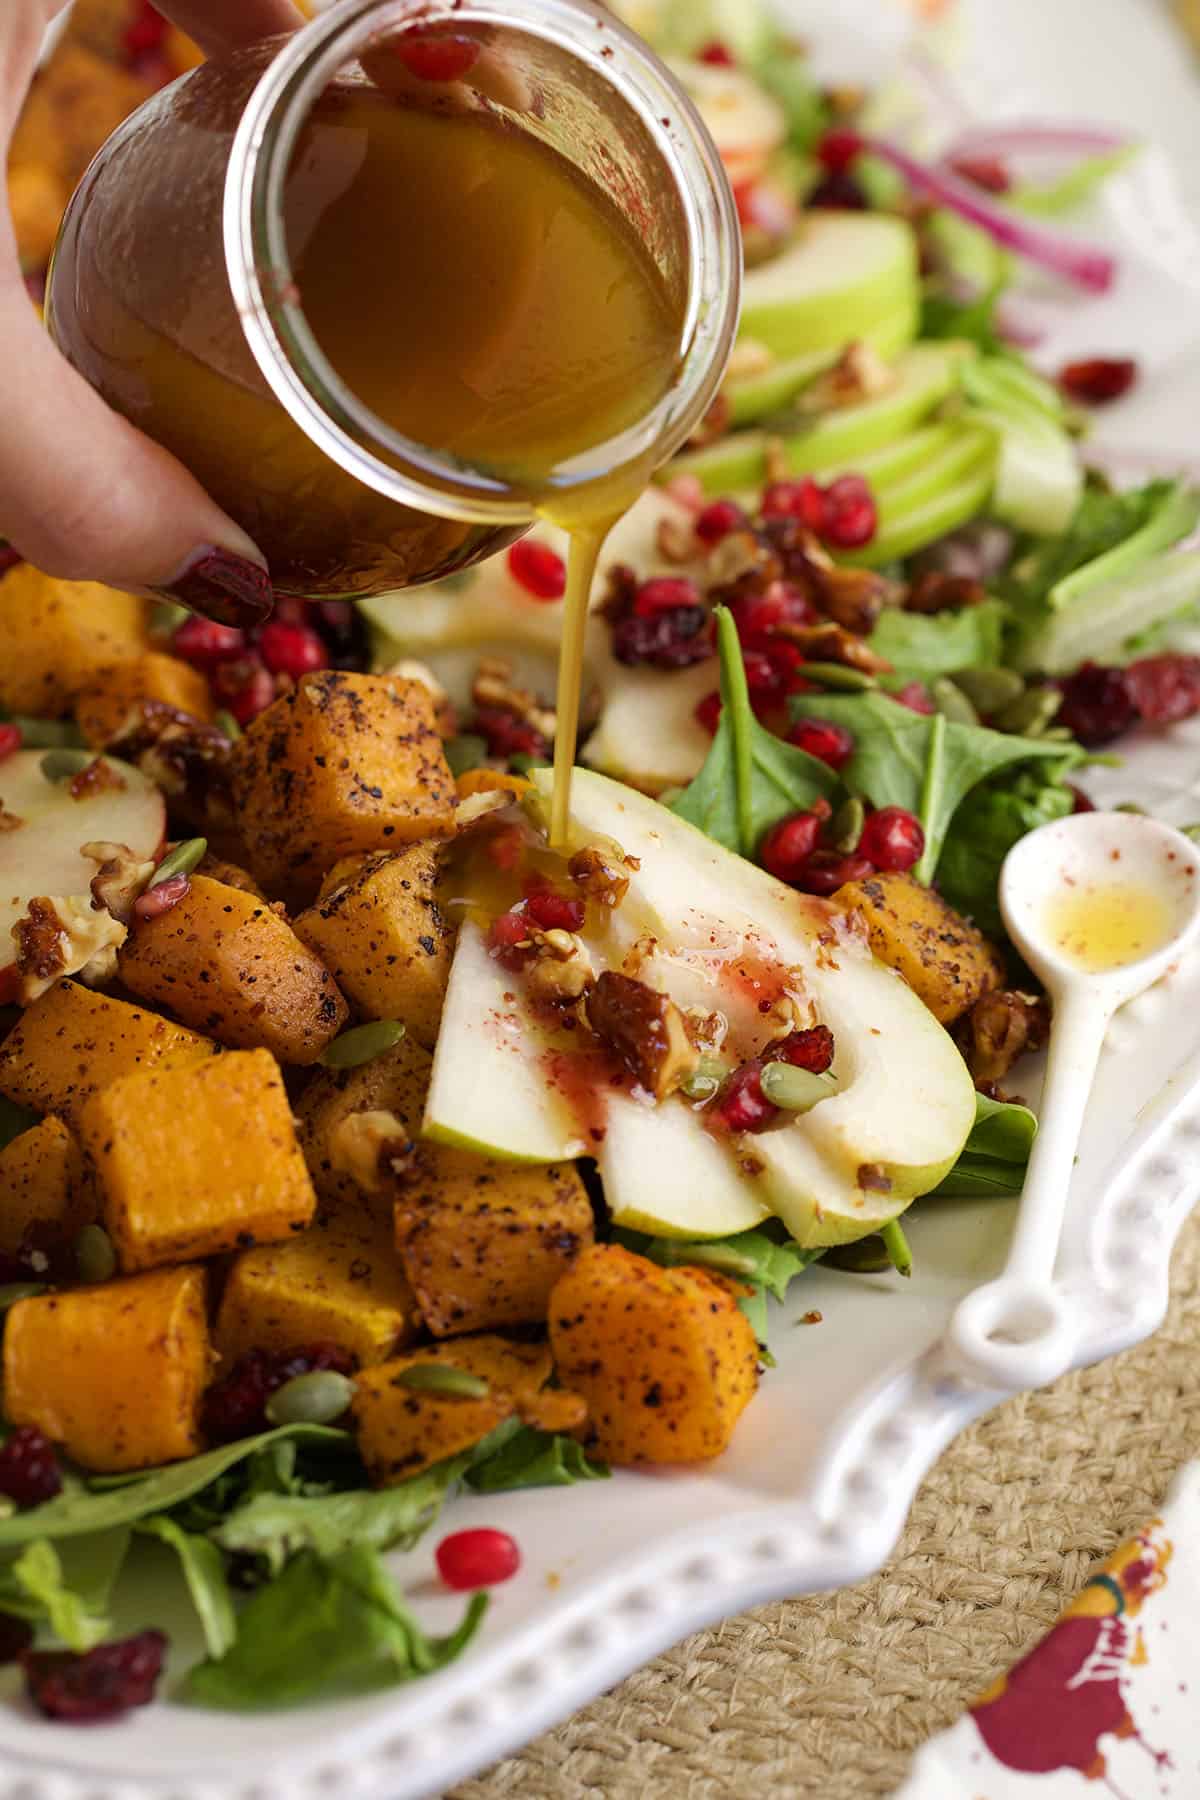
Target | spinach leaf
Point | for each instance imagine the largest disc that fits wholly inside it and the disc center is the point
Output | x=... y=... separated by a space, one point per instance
x=326 y=1624
x=925 y=764
x=926 y=645
x=764 y=1257
x=992 y=818
x=203 y=1569
x=751 y=779
x=534 y=1459
x=70 y=1594
x=995 y=1156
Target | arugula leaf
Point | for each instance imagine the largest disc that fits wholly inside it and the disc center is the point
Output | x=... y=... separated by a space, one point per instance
x=925 y=764
x=326 y=1624
x=535 y=1459
x=203 y=1569
x=77 y=1512
x=925 y=645
x=751 y=779
x=983 y=831
x=994 y=1157
x=1110 y=535
x=72 y=1599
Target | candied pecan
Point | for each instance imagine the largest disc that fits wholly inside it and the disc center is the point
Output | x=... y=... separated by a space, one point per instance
x=999 y=1029
x=372 y=1148
x=834 y=644
x=118 y=881
x=598 y=875
x=621 y=586
x=860 y=373
x=560 y=973
x=187 y=758
x=645 y=1029
x=854 y=598
x=41 y=952
x=97 y=777
x=934 y=591
x=801 y=555
x=494 y=690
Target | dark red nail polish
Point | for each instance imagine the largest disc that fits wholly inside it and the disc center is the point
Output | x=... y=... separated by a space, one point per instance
x=222 y=586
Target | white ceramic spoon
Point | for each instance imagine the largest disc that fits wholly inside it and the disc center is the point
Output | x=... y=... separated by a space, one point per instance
x=1100 y=905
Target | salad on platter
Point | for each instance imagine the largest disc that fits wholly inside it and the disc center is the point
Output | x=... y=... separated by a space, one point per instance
x=359 y=1148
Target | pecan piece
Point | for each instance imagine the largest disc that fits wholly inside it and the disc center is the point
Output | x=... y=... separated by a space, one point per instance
x=860 y=373
x=1000 y=1028
x=935 y=592
x=834 y=644
x=373 y=1149
x=645 y=1029
x=854 y=598
x=597 y=876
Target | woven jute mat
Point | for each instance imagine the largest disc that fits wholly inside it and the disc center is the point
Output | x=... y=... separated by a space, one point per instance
x=827 y=1696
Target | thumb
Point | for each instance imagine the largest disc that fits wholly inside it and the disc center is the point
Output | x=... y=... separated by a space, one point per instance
x=85 y=495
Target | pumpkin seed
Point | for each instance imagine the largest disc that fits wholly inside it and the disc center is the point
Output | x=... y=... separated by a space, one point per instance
x=465 y=752
x=227 y=725
x=989 y=690
x=13 y=1291
x=61 y=765
x=796 y=1090
x=704 y=1080
x=443 y=1378
x=47 y=734
x=1030 y=715
x=847 y=825
x=840 y=676
x=1131 y=806
x=362 y=1044
x=317 y=1398
x=951 y=702
x=95 y=1257
x=180 y=861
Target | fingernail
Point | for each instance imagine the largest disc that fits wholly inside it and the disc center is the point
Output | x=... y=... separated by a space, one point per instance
x=222 y=586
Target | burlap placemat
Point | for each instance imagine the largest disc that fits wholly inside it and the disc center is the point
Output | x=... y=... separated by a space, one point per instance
x=827 y=1696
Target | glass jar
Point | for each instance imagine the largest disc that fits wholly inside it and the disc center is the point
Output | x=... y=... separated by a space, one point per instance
x=171 y=289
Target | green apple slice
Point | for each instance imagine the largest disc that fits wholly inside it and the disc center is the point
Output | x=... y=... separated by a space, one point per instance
x=754 y=397
x=905 y=529
x=840 y=277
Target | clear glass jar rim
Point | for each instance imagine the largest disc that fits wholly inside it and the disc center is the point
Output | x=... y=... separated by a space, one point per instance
x=288 y=355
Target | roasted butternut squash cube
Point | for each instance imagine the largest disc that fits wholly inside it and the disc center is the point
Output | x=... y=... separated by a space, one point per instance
x=335 y=1103
x=107 y=700
x=43 y=1182
x=665 y=1358
x=403 y=1429
x=115 y=1373
x=217 y=868
x=340 y=1282
x=73 y=1041
x=194 y=1161
x=339 y=765
x=482 y=1242
x=231 y=966
x=381 y=931
x=941 y=955
x=53 y=634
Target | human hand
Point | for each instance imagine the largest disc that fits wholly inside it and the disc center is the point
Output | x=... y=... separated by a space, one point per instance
x=83 y=493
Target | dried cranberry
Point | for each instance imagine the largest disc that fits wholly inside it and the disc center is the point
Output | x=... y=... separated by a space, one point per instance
x=825 y=872
x=97 y=1684
x=669 y=640
x=235 y=1407
x=810 y=1049
x=718 y=54
x=508 y=940
x=757 y=616
x=1165 y=688
x=202 y=642
x=1082 y=803
x=841 y=193
x=437 y=55
x=665 y=593
x=742 y=1105
x=838 y=149
x=10 y=740
x=476 y=1559
x=540 y=570
x=1099 y=380
x=1098 y=704
x=803 y=500
x=716 y=520
x=507 y=735
x=146 y=32
x=16 y=1636
x=915 y=696
x=293 y=650
x=828 y=742
x=555 y=912
x=29 y=1471
x=787 y=846
x=892 y=839
x=986 y=172
x=244 y=687
x=851 y=515
x=708 y=711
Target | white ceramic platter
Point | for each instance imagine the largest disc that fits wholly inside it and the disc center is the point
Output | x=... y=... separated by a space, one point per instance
x=826 y=1462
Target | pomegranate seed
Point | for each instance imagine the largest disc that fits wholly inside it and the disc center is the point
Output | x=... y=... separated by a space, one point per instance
x=29 y=1471
x=851 y=515
x=811 y=1049
x=555 y=912
x=1165 y=688
x=245 y=687
x=475 y=1559
x=915 y=696
x=761 y=677
x=1082 y=803
x=1098 y=704
x=828 y=742
x=758 y=616
x=786 y=660
x=892 y=839
x=718 y=519
x=718 y=54
x=743 y=1106
x=146 y=32
x=10 y=740
x=293 y=650
x=787 y=846
x=16 y=1636
x=1099 y=380
x=437 y=55
x=668 y=640
x=235 y=1407
x=825 y=872
x=708 y=712
x=159 y=900
x=96 y=1684
x=838 y=149
x=986 y=172
x=840 y=192
x=508 y=940
x=803 y=500
x=539 y=570
x=665 y=593
x=507 y=735
x=203 y=642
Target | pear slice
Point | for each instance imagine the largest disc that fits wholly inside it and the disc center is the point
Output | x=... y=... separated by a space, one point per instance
x=843 y=274
x=747 y=125
x=717 y=933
